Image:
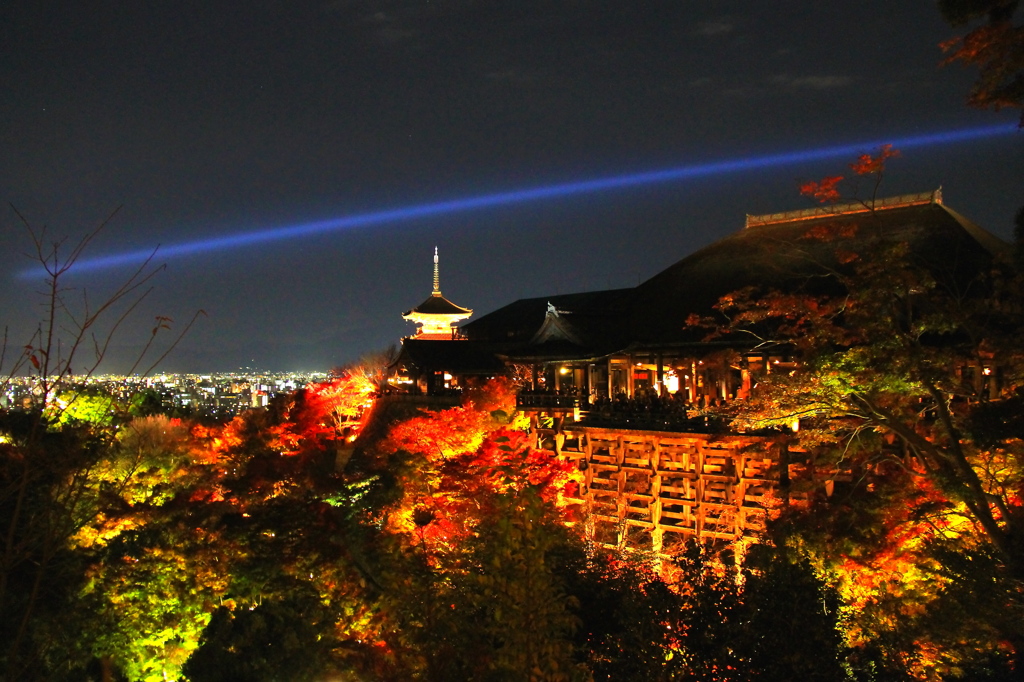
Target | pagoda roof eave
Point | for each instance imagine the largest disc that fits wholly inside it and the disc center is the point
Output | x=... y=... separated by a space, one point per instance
x=437 y=305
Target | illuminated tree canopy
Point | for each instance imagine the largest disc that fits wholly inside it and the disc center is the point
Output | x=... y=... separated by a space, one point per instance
x=909 y=373
x=327 y=535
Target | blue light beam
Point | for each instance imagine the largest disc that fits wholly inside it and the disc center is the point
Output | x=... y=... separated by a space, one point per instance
x=520 y=196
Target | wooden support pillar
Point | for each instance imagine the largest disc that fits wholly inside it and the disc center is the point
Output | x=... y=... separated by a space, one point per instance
x=693 y=383
x=588 y=473
x=559 y=436
x=661 y=375
x=620 y=488
x=657 y=532
x=698 y=508
x=629 y=378
x=620 y=457
x=657 y=536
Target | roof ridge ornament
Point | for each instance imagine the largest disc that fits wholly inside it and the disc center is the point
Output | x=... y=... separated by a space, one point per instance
x=556 y=312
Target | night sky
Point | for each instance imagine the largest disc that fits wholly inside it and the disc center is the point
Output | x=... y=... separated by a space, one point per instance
x=205 y=119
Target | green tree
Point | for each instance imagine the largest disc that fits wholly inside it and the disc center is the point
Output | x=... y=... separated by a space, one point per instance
x=50 y=451
x=899 y=357
x=628 y=615
x=277 y=639
x=527 y=615
x=210 y=536
x=792 y=619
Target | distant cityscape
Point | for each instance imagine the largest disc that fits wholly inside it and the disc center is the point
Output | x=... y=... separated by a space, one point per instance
x=221 y=395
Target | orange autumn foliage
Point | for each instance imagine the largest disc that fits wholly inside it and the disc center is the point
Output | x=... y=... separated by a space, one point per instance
x=496 y=394
x=995 y=48
x=347 y=397
x=872 y=165
x=824 y=191
x=316 y=414
x=506 y=463
x=449 y=497
x=439 y=435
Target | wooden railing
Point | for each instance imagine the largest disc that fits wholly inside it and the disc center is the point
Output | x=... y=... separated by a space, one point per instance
x=528 y=401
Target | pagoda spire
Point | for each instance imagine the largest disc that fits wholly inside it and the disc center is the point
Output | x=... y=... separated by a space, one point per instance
x=437 y=275
x=437 y=316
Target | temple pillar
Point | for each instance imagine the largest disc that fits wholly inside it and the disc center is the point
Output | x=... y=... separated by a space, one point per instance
x=661 y=375
x=630 y=370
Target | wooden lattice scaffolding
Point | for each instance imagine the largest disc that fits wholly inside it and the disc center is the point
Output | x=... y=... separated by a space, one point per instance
x=651 y=491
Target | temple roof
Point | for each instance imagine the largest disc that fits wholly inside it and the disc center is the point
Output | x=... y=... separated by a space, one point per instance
x=787 y=251
x=589 y=323
x=437 y=304
x=794 y=252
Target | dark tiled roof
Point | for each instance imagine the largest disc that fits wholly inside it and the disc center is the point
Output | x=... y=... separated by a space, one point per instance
x=593 y=322
x=438 y=305
x=794 y=256
x=788 y=252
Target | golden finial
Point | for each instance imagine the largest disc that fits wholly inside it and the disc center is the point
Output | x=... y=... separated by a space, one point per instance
x=437 y=276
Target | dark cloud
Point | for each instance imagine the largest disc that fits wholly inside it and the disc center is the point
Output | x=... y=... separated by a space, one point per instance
x=510 y=75
x=714 y=28
x=815 y=82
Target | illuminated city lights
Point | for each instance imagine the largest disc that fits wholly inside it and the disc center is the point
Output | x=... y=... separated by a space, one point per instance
x=519 y=196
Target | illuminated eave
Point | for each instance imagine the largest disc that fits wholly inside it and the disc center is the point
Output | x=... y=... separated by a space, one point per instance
x=852 y=208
